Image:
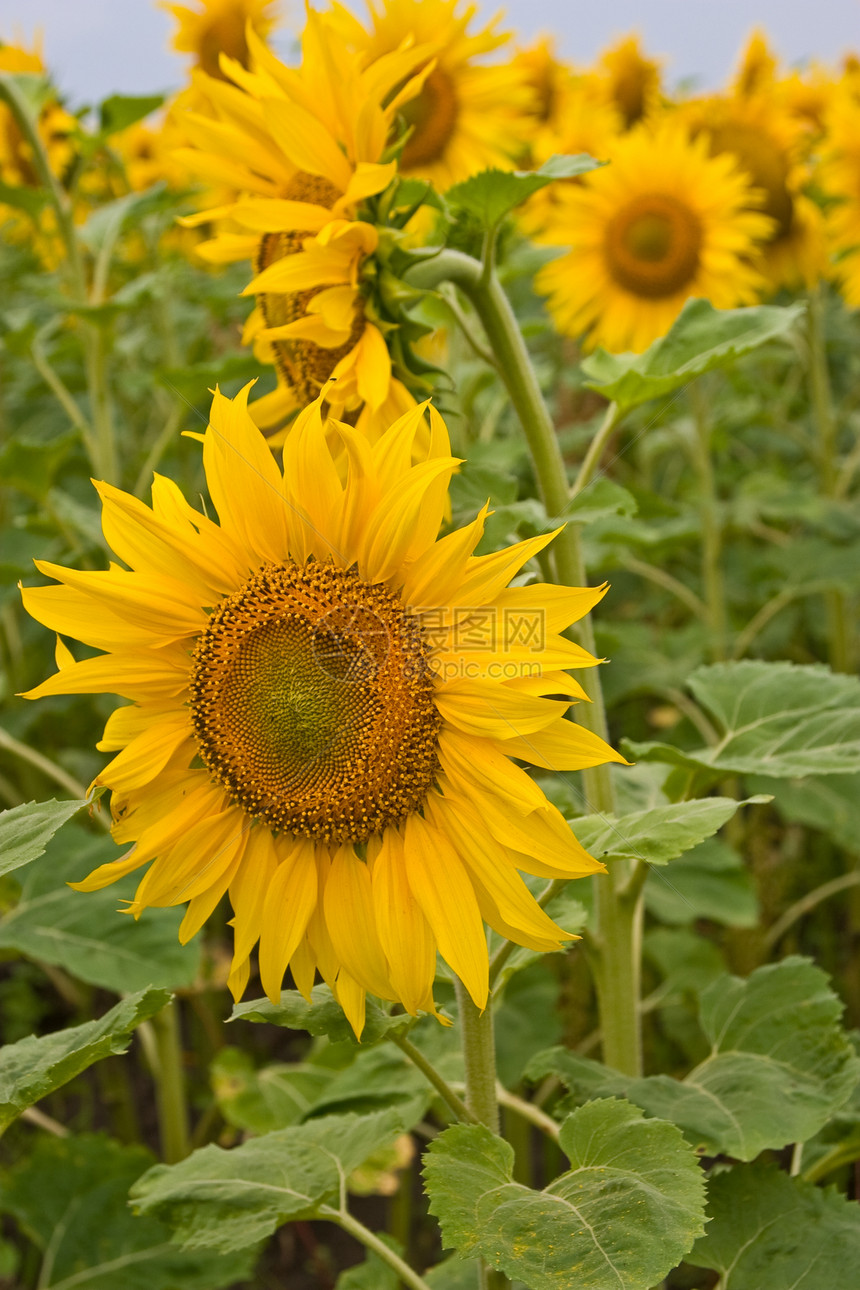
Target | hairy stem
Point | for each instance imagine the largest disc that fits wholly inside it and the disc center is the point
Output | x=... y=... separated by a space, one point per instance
x=169 y=1075
x=442 y=1087
x=371 y=1241
x=712 y=535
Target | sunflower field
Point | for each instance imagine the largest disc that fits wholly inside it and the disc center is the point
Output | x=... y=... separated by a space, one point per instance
x=430 y=736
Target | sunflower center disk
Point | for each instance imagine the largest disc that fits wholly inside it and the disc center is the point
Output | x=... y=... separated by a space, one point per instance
x=433 y=116
x=312 y=699
x=653 y=246
x=304 y=365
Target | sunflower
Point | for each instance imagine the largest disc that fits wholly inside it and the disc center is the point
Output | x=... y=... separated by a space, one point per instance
x=468 y=115
x=662 y=223
x=55 y=125
x=630 y=80
x=584 y=122
x=839 y=177
x=302 y=148
x=220 y=26
x=757 y=69
x=768 y=145
x=328 y=705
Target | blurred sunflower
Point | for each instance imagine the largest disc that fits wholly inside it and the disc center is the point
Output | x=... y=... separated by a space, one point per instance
x=768 y=145
x=630 y=80
x=328 y=705
x=547 y=77
x=220 y=26
x=56 y=126
x=303 y=148
x=664 y=222
x=757 y=68
x=468 y=115
x=584 y=122
x=839 y=177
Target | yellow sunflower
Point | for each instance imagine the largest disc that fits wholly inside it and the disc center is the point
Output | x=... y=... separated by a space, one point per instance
x=468 y=115
x=584 y=122
x=302 y=148
x=630 y=80
x=839 y=177
x=768 y=145
x=757 y=69
x=56 y=126
x=220 y=26
x=328 y=705
x=664 y=222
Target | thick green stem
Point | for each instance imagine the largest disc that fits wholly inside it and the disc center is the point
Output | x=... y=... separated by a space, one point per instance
x=479 y=1058
x=839 y=634
x=616 y=944
x=169 y=1074
x=712 y=535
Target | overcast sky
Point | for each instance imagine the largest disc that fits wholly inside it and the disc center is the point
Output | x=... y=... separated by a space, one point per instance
x=98 y=47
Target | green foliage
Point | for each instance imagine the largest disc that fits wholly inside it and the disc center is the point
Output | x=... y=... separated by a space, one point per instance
x=70 y=1197
x=710 y=881
x=629 y=1208
x=778 y=1069
x=119 y=111
x=26 y=830
x=769 y=1231
x=322 y=1016
x=657 y=835
x=372 y=1274
x=492 y=194
x=228 y=1200
x=774 y=719
x=701 y=339
x=81 y=932
x=34 y=1067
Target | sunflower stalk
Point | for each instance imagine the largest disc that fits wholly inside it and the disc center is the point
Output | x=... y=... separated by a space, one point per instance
x=713 y=581
x=615 y=947
x=824 y=419
x=169 y=1075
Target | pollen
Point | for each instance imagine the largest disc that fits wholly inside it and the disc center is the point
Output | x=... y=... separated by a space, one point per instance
x=313 y=703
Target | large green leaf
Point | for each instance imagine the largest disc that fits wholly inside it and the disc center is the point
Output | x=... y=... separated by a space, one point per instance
x=772 y=1232
x=657 y=835
x=26 y=830
x=322 y=1016
x=780 y=1065
x=775 y=719
x=34 y=1067
x=701 y=338
x=70 y=1196
x=627 y=1211
x=227 y=1200
x=119 y=111
x=492 y=194
x=272 y=1097
x=85 y=932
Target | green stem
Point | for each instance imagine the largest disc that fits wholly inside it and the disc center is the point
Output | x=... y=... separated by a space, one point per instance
x=591 y=460
x=479 y=1058
x=42 y=763
x=712 y=536
x=372 y=1242
x=616 y=952
x=442 y=1087
x=169 y=1074
x=840 y=651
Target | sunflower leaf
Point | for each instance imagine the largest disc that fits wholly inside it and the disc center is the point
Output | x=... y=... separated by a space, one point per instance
x=780 y=1065
x=700 y=339
x=775 y=719
x=26 y=830
x=322 y=1016
x=626 y=1212
x=492 y=194
x=85 y=933
x=659 y=834
x=34 y=1067
x=770 y=1231
x=227 y=1200
x=71 y=1197
x=119 y=111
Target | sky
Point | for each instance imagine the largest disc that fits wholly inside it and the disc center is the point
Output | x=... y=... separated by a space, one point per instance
x=99 y=47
